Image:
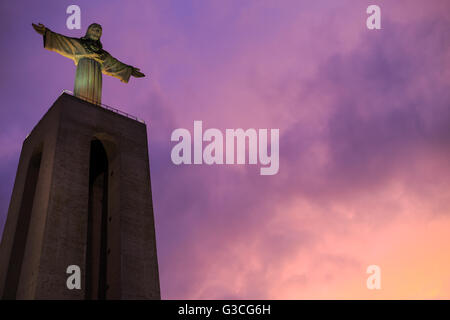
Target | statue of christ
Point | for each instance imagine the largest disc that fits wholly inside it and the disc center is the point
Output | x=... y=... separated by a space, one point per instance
x=90 y=58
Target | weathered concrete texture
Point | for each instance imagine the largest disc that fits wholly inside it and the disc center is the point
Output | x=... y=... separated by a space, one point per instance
x=58 y=218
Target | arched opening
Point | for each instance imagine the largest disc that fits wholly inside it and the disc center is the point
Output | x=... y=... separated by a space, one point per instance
x=23 y=223
x=97 y=241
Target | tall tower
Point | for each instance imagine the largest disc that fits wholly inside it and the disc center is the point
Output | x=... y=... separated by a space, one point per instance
x=82 y=196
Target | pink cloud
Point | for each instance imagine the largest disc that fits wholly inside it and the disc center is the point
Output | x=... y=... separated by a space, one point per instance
x=363 y=119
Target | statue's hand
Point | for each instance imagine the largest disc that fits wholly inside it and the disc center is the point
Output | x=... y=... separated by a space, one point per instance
x=136 y=73
x=40 y=28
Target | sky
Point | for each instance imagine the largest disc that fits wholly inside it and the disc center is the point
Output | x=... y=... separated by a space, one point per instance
x=364 y=120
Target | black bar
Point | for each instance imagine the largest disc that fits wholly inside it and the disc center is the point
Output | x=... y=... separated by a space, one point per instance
x=231 y=309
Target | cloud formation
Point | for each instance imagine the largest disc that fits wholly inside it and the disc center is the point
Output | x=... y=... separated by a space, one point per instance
x=364 y=124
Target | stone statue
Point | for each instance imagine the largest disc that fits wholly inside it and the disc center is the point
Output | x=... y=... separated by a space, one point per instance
x=90 y=58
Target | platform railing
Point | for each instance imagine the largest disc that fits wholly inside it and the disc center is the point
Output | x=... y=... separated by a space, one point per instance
x=123 y=113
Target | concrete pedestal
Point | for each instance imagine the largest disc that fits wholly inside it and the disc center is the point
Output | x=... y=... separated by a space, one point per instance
x=82 y=196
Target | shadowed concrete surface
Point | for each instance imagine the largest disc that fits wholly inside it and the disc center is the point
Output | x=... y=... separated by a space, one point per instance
x=82 y=196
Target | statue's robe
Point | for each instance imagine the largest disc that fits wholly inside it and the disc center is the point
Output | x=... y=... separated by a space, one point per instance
x=91 y=63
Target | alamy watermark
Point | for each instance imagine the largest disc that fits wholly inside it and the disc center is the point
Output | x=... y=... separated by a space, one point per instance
x=74 y=20
x=74 y=279
x=374 y=280
x=213 y=152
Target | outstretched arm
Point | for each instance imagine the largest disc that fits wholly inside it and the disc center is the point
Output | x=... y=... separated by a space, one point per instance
x=39 y=28
x=136 y=73
x=66 y=46
x=113 y=67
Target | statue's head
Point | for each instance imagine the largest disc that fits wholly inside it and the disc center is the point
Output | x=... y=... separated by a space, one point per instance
x=94 y=32
x=91 y=41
